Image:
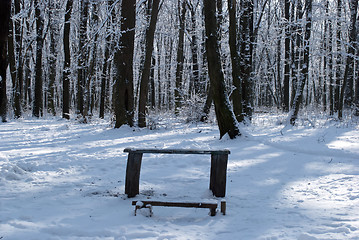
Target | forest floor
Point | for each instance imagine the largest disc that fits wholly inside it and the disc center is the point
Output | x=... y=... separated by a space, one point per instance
x=62 y=179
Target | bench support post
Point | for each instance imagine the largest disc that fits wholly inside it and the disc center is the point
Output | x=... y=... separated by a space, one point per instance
x=218 y=176
x=132 y=184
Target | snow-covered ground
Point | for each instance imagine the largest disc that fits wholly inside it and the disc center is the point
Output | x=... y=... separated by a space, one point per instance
x=65 y=180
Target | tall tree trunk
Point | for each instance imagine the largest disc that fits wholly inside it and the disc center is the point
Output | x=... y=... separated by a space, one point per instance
x=180 y=56
x=298 y=50
x=82 y=59
x=279 y=88
x=338 y=70
x=15 y=45
x=286 y=80
x=67 y=63
x=246 y=56
x=90 y=92
x=5 y=9
x=106 y=64
x=52 y=60
x=348 y=81
x=123 y=89
x=37 y=111
x=305 y=68
x=330 y=62
x=226 y=120
x=325 y=58
x=150 y=34
x=233 y=45
x=195 y=78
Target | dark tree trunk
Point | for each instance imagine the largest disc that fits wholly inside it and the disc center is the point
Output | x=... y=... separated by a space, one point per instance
x=305 y=68
x=5 y=9
x=325 y=58
x=233 y=45
x=246 y=52
x=52 y=60
x=106 y=66
x=330 y=62
x=38 y=99
x=82 y=60
x=298 y=50
x=279 y=70
x=67 y=63
x=90 y=93
x=195 y=78
x=226 y=120
x=150 y=34
x=123 y=94
x=180 y=56
x=15 y=52
x=338 y=70
x=104 y=78
x=348 y=81
x=286 y=56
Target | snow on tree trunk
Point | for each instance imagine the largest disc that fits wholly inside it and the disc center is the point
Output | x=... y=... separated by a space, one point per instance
x=226 y=120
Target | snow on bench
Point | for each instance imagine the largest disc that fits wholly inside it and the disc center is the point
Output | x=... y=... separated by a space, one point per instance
x=219 y=160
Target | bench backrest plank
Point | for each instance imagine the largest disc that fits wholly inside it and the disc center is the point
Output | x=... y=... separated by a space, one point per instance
x=176 y=151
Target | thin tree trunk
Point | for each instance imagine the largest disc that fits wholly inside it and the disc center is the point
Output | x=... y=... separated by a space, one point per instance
x=52 y=61
x=67 y=63
x=16 y=52
x=286 y=56
x=150 y=32
x=5 y=9
x=338 y=70
x=180 y=56
x=305 y=68
x=195 y=79
x=233 y=45
x=325 y=58
x=106 y=66
x=226 y=120
x=37 y=111
x=83 y=55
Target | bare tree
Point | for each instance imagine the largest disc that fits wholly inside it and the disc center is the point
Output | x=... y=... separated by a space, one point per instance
x=347 y=87
x=226 y=120
x=150 y=33
x=180 y=57
x=246 y=56
x=123 y=88
x=287 y=62
x=5 y=8
x=37 y=110
x=233 y=45
x=67 y=63
x=305 y=68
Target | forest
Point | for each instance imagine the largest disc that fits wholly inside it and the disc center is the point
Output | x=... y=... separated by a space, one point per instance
x=130 y=58
x=81 y=81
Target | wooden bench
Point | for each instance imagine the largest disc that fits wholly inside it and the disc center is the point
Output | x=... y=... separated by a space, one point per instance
x=149 y=204
x=218 y=175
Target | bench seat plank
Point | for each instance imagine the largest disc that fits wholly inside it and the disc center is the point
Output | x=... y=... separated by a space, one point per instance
x=176 y=151
x=212 y=206
x=177 y=204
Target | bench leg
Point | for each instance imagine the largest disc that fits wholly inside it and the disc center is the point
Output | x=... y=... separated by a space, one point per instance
x=218 y=175
x=223 y=207
x=132 y=184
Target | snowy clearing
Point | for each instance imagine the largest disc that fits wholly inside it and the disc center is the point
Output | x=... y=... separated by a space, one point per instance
x=64 y=180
